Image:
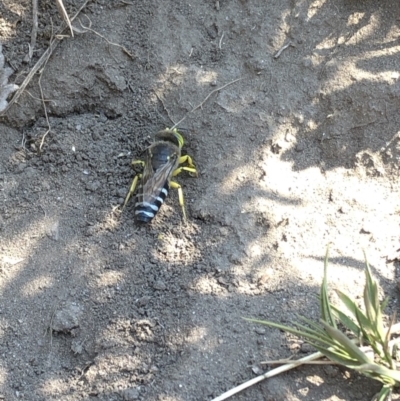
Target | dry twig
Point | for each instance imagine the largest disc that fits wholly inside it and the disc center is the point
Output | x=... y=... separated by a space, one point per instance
x=206 y=98
x=44 y=107
x=395 y=329
x=64 y=15
x=284 y=47
x=88 y=28
x=285 y=361
x=34 y=27
x=220 y=41
x=45 y=56
x=42 y=96
x=267 y=375
x=5 y=87
x=165 y=108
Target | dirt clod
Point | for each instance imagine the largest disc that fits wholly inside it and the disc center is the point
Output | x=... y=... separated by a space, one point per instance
x=67 y=318
x=130 y=394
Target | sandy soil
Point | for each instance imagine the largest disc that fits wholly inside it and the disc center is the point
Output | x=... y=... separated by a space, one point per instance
x=302 y=152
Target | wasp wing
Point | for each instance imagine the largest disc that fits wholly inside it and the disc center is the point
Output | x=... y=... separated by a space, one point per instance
x=153 y=181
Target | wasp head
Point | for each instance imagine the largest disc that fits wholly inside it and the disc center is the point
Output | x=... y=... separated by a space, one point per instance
x=170 y=135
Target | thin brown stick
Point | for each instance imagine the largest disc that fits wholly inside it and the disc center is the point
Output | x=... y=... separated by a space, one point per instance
x=42 y=96
x=37 y=98
x=206 y=98
x=45 y=112
x=87 y=28
x=285 y=46
x=43 y=59
x=165 y=107
x=34 y=27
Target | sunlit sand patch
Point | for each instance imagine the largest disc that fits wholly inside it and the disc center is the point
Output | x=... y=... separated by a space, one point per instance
x=321 y=216
x=55 y=387
x=15 y=7
x=109 y=278
x=313 y=8
x=37 y=286
x=206 y=77
x=17 y=250
x=3 y=376
x=236 y=178
x=196 y=336
x=177 y=248
x=174 y=74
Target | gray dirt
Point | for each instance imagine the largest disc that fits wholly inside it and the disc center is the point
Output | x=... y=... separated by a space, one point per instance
x=303 y=151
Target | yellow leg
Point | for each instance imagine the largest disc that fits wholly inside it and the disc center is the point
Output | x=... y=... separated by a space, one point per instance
x=134 y=183
x=175 y=185
x=141 y=162
x=131 y=189
x=191 y=170
x=186 y=159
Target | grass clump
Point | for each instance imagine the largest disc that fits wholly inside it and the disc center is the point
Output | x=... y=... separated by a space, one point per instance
x=364 y=345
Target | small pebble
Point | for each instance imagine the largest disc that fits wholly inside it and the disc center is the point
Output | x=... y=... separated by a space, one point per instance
x=121 y=192
x=93 y=186
x=67 y=318
x=143 y=301
x=306 y=348
x=76 y=347
x=130 y=394
x=331 y=371
x=154 y=369
x=256 y=370
x=159 y=285
x=20 y=168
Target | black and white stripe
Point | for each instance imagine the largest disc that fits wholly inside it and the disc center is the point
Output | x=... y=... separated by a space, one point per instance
x=145 y=211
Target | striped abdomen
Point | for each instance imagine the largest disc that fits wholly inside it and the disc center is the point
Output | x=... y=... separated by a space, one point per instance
x=147 y=205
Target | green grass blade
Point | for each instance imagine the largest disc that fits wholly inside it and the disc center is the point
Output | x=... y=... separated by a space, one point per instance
x=364 y=324
x=347 y=344
x=348 y=303
x=347 y=322
x=374 y=307
x=370 y=307
x=380 y=373
x=371 y=339
x=313 y=325
x=384 y=395
x=338 y=357
x=370 y=284
x=320 y=334
x=309 y=336
x=369 y=334
x=326 y=312
x=387 y=349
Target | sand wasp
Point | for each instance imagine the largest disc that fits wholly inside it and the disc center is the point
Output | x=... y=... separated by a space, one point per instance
x=162 y=162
